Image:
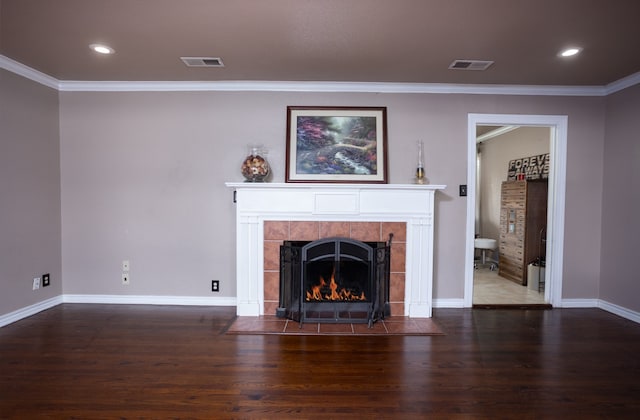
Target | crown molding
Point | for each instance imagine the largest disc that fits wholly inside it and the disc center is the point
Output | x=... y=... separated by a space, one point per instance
x=27 y=72
x=623 y=83
x=504 y=129
x=311 y=86
x=333 y=87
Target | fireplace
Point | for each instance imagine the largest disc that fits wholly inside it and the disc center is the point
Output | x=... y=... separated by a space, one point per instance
x=336 y=279
x=359 y=205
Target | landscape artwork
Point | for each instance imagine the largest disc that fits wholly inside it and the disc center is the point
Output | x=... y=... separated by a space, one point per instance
x=336 y=144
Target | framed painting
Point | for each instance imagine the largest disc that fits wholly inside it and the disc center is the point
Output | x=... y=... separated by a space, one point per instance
x=336 y=144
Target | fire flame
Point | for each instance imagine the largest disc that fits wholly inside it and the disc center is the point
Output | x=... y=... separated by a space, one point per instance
x=343 y=294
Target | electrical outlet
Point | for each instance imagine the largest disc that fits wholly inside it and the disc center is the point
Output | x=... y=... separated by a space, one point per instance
x=215 y=285
x=125 y=266
x=36 y=283
x=46 y=280
x=125 y=279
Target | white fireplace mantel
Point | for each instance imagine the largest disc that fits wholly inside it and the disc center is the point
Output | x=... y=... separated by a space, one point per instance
x=410 y=203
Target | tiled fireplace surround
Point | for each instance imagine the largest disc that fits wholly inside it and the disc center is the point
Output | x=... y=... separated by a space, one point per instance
x=277 y=231
x=269 y=213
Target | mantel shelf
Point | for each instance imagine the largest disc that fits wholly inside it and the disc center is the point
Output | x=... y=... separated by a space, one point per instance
x=333 y=186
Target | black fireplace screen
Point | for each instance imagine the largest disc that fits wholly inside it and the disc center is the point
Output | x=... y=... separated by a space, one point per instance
x=334 y=280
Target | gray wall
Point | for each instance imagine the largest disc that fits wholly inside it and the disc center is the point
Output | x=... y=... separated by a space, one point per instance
x=621 y=201
x=29 y=191
x=142 y=178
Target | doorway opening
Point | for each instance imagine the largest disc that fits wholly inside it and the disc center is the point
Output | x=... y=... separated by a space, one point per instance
x=549 y=241
x=512 y=174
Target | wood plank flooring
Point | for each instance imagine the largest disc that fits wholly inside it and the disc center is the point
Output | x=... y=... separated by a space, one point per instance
x=127 y=361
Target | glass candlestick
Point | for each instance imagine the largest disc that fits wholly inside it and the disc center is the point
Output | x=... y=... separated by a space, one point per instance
x=420 y=178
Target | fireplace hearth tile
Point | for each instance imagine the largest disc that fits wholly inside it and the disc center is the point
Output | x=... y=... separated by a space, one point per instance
x=335 y=328
x=293 y=327
x=376 y=328
x=265 y=325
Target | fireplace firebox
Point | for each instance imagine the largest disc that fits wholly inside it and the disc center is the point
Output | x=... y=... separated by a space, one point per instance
x=336 y=279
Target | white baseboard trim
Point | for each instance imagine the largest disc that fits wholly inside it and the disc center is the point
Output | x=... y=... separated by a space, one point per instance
x=565 y=303
x=27 y=311
x=114 y=299
x=151 y=300
x=231 y=301
x=604 y=305
x=448 y=303
x=578 y=303
x=619 y=310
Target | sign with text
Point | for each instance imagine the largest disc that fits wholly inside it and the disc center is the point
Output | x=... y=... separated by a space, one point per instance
x=533 y=167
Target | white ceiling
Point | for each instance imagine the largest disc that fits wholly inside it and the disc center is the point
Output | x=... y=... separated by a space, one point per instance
x=406 y=41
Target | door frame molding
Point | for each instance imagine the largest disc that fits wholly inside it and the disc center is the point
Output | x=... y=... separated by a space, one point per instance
x=555 y=207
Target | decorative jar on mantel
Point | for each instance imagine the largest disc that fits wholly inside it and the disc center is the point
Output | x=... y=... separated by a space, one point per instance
x=255 y=167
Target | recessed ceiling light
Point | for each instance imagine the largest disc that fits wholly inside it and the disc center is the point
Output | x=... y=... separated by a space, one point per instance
x=102 y=49
x=570 y=52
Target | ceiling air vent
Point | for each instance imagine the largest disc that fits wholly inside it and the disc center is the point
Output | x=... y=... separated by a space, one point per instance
x=470 y=65
x=202 y=61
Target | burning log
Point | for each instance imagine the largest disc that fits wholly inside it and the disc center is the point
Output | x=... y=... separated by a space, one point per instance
x=335 y=294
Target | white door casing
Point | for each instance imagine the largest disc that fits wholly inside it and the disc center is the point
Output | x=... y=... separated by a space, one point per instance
x=556 y=204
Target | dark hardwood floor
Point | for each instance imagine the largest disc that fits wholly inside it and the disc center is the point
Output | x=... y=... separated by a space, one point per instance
x=126 y=361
